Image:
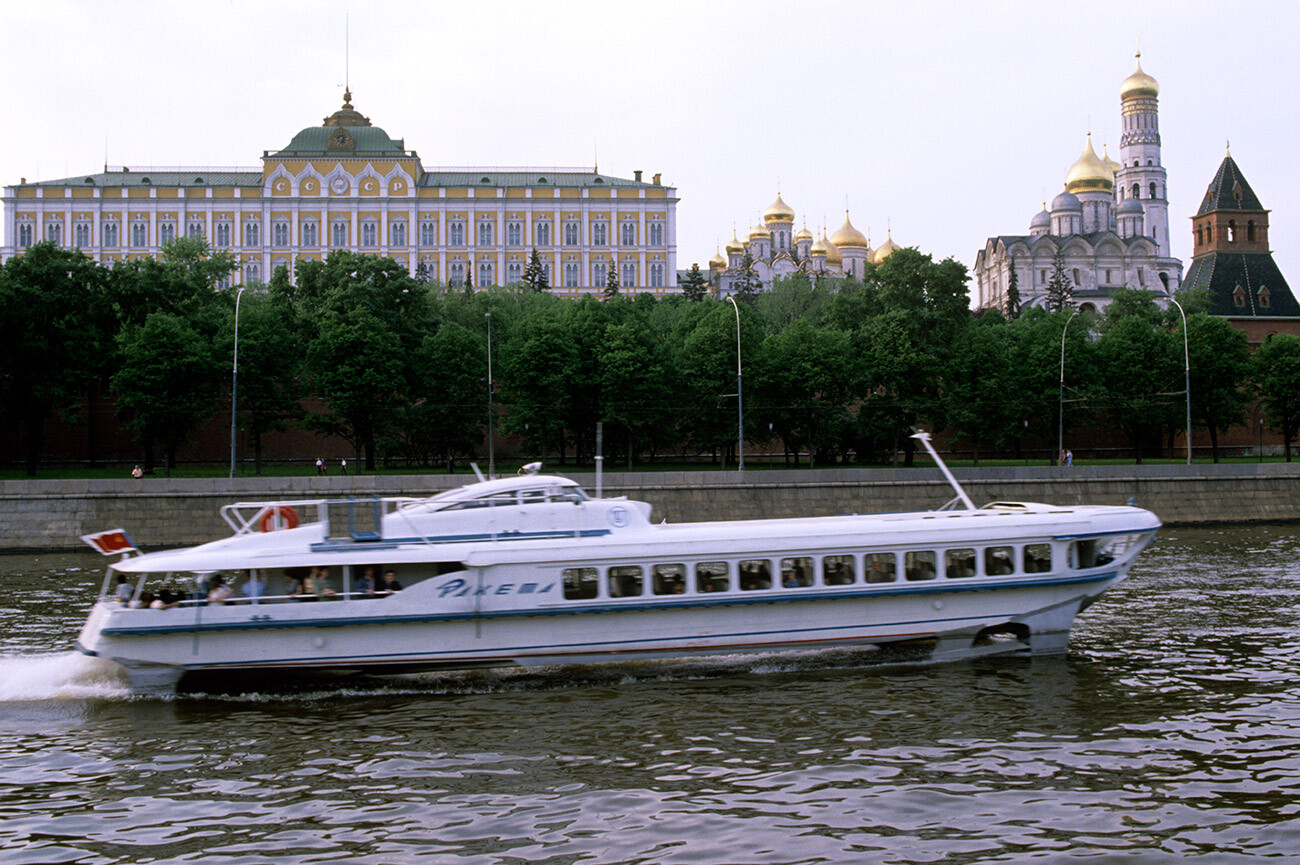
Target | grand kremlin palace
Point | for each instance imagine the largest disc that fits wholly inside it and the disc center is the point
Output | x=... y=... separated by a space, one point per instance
x=347 y=185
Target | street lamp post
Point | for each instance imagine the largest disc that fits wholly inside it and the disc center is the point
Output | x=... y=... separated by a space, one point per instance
x=1187 y=378
x=740 y=395
x=1060 y=399
x=492 y=462
x=234 y=382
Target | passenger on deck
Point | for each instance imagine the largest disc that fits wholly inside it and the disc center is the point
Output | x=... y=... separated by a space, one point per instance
x=166 y=599
x=366 y=583
x=123 y=591
x=219 y=592
x=253 y=588
x=390 y=584
x=293 y=583
x=324 y=585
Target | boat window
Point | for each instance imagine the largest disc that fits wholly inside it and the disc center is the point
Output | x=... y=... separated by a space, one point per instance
x=625 y=581
x=711 y=577
x=959 y=563
x=755 y=574
x=1097 y=552
x=999 y=561
x=1038 y=558
x=837 y=570
x=797 y=572
x=580 y=584
x=880 y=567
x=669 y=579
x=919 y=565
x=532 y=497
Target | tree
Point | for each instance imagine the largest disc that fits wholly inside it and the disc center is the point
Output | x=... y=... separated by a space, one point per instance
x=448 y=400
x=978 y=382
x=55 y=338
x=634 y=384
x=167 y=382
x=1059 y=290
x=611 y=282
x=535 y=273
x=746 y=284
x=1220 y=372
x=1138 y=370
x=270 y=363
x=1277 y=369
x=1013 y=290
x=806 y=378
x=539 y=364
x=693 y=286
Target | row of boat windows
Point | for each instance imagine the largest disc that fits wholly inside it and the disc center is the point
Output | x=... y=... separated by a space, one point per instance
x=630 y=581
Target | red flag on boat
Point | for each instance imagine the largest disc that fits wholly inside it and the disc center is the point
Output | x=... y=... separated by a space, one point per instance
x=110 y=542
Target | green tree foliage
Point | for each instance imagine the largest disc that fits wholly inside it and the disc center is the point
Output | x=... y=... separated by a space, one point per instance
x=447 y=411
x=634 y=385
x=746 y=284
x=611 y=282
x=693 y=286
x=977 y=384
x=806 y=379
x=1277 y=369
x=55 y=338
x=166 y=382
x=1139 y=369
x=1220 y=375
x=535 y=273
x=1013 y=291
x=270 y=364
x=1060 y=291
x=539 y=362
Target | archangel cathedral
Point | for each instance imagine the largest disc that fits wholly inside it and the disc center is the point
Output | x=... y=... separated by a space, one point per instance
x=773 y=249
x=1110 y=225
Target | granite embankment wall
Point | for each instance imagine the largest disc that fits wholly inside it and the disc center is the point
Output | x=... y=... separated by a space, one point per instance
x=51 y=515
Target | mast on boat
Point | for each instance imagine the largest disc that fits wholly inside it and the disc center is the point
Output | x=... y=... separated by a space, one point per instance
x=924 y=438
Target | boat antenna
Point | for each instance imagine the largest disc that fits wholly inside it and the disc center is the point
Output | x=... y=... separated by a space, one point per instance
x=474 y=466
x=924 y=438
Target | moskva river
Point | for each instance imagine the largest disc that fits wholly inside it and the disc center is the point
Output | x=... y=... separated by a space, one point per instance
x=1170 y=733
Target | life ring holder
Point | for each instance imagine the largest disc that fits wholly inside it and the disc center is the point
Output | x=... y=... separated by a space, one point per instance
x=277 y=517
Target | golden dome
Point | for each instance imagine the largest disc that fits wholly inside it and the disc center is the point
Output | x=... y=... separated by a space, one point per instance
x=778 y=211
x=734 y=245
x=718 y=262
x=1110 y=163
x=758 y=232
x=849 y=237
x=1139 y=83
x=803 y=234
x=1089 y=172
x=885 y=249
x=832 y=251
x=818 y=248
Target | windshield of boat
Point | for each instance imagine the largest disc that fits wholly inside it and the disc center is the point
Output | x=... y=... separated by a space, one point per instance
x=532 y=496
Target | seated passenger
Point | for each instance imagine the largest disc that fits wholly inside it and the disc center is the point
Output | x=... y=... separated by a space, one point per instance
x=324 y=585
x=253 y=588
x=166 y=599
x=145 y=602
x=123 y=591
x=390 y=584
x=219 y=592
x=367 y=583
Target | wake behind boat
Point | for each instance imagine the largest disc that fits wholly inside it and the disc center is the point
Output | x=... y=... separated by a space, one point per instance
x=529 y=570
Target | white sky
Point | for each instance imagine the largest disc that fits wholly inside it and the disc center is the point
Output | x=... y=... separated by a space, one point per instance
x=949 y=121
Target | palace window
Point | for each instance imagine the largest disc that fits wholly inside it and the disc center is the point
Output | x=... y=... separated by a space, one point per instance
x=428 y=233
x=570 y=234
x=485 y=233
x=339 y=234
x=397 y=233
x=24 y=235
x=514 y=233
x=629 y=275
x=456 y=274
x=222 y=231
x=369 y=233
x=252 y=273
x=54 y=233
x=166 y=232
x=546 y=269
x=599 y=234
x=456 y=233
x=656 y=234
x=310 y=233
x=81 y=235
x=109 y=232
x=193 y=230
x=599 y=273
x=542 y=233
x=139 y=234
x=628 y=234
x=1153 y=191
x=485 y=274
x=656 y=276
x=279 y=234
x=571 y=275
x=514 y=272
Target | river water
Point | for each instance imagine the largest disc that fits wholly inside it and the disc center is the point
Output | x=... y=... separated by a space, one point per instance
x=1170 y=732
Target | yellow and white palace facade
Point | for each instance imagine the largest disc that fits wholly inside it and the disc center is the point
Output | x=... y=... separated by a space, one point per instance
x=347 y=185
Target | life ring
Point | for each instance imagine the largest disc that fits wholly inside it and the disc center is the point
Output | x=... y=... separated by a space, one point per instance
x=277 y=517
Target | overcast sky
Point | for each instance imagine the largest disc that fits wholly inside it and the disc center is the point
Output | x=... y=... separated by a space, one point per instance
x=949 y=121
